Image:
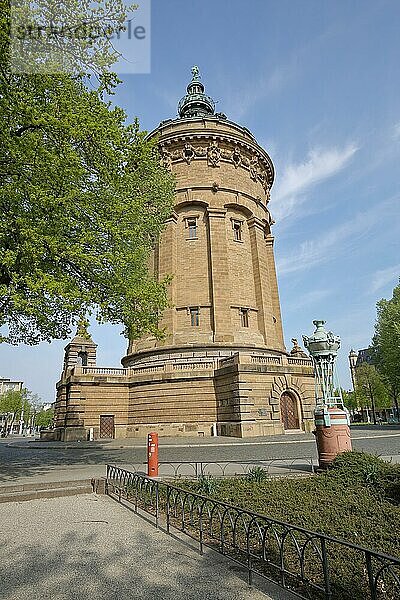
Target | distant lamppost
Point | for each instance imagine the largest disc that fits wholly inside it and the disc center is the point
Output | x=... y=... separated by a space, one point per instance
x=332 y=421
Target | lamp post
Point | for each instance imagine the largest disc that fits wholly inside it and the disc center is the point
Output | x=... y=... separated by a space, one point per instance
x=332 y=421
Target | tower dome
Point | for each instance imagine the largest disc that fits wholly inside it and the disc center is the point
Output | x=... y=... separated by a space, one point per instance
x=196 y=103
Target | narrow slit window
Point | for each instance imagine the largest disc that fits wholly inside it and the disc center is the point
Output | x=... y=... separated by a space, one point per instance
x=244 y=317
x=237 y=230
x=194 y=317
x=192 y=228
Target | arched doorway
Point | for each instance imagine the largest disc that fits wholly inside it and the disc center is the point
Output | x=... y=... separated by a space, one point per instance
x=289 y=411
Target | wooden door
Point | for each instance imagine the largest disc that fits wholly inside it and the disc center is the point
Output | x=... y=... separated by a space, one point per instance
x=289 y=413
x=107 y=426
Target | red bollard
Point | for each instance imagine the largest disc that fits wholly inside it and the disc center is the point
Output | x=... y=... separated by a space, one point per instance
x=152 y=454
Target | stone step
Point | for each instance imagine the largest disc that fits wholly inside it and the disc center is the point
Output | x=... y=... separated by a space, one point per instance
x=49 y=489
x=42 y=485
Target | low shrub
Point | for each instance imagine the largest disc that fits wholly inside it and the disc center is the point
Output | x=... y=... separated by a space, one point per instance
x=382 y=477
x=206 y=485
x=257 y=475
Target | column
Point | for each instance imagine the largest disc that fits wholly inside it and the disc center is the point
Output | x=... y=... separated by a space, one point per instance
x=167 y=265
x=219 y=276
x=262 y=281
x=276 y=307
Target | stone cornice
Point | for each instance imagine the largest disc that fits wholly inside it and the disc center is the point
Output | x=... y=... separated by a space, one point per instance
x=257 y=223
x=173 y=218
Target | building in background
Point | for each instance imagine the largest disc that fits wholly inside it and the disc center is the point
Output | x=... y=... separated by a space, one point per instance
x=223 y=368
x=356 y=359
x=7 y=384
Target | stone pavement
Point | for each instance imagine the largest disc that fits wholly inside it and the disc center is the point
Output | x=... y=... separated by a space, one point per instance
x=91 y=548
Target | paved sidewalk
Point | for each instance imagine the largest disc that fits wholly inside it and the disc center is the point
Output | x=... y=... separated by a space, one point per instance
x=91 y=548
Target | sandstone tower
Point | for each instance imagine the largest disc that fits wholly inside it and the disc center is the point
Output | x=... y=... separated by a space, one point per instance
x=222 y=367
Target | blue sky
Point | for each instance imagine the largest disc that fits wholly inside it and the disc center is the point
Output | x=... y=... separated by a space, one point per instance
x=318 y=83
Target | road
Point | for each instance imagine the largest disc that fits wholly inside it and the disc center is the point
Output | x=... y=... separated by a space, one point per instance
x=54 y=463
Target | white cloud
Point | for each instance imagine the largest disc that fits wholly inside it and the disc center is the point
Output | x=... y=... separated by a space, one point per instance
x=384 y=277
x=297 y=179
x=329 y=244
x=307 y=299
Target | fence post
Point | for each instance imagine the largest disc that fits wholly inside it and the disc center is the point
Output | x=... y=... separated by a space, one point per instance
x=168 y=508
x=106 y=482
x=325 y=566
x=201 y=527
x=372 y=586
x=157 y=503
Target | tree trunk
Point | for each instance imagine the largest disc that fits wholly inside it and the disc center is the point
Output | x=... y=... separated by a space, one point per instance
x=371 y=395
x=396 y=403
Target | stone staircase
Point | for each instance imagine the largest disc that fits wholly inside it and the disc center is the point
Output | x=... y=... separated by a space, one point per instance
x=21 y=492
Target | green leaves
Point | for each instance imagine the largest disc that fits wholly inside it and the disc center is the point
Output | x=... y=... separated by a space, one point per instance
x=83 y=199
x=370 y=389
x=386 y=342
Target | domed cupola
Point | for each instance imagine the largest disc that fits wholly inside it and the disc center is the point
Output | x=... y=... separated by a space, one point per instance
x=196 y=103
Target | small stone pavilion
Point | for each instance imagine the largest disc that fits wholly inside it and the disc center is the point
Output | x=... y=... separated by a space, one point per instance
x=223 y=368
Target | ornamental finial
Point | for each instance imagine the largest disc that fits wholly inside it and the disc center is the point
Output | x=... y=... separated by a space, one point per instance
x=195 y=72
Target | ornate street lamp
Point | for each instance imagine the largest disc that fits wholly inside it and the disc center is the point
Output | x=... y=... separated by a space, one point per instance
x=332 y=421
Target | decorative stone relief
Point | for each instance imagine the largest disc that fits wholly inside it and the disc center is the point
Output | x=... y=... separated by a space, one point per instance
x=254 y=166
x=201 y=151
x=188 y=153
x=166 y=159
x=263 y=177
x=259 y=169
x=225 y=154
x=213 y=154
x=236 y=157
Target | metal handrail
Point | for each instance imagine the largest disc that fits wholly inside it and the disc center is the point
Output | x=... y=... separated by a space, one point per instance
x=274 y=549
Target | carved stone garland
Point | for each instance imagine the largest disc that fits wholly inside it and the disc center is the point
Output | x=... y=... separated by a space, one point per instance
x=214 y=154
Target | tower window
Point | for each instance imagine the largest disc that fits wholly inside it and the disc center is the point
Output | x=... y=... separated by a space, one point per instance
x=195 y=316
x=237 y=230
x=191 y=224
x=244 y=317
x=82 y=359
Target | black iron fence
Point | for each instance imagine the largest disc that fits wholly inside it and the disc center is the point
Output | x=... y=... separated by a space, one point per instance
x=272 y=467
x=311 y=565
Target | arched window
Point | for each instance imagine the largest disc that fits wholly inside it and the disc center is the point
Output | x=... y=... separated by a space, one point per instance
x=82 y=359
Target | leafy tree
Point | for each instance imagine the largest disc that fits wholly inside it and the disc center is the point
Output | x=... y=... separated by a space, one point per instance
x=370 y=389
x=18 y=405
x=44 y=418
x=83 y=198
x=386 y=344
x=14 y=404
x=349 y=400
